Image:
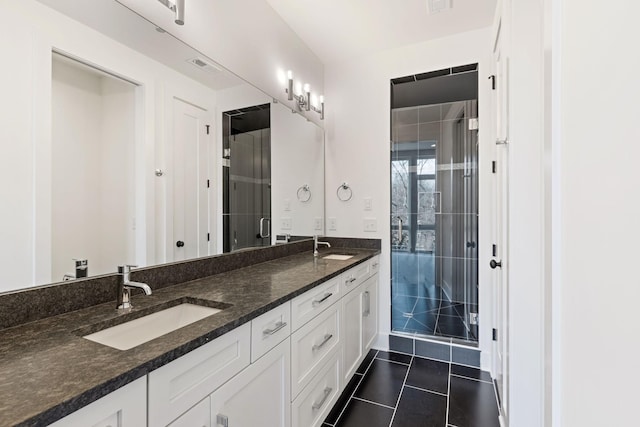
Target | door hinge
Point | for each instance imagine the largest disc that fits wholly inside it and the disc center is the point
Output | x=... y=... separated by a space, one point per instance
x=493 y=82
x=473 y=318
x=494 y=250
x=207 y=126
x=208 y=237
x=494 y=166
x=474 y=124
x=495 y=334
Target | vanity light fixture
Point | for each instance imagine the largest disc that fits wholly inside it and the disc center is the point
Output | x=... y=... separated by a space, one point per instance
x=177 y=8
x=304 y=99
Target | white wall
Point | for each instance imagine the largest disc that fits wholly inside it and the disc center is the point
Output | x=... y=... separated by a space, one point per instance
x=297 y=158
x=598 y=328
x=93 y=163
x=247 y=37
x=29 y=33
x=358 y=134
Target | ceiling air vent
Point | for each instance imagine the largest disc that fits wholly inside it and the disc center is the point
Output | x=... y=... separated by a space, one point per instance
x=205 y=65
x=437 y=6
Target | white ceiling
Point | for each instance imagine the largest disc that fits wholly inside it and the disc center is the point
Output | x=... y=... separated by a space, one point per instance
x=339 y=29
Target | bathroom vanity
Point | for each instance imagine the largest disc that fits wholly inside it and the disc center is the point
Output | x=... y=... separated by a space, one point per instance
x=288 y=336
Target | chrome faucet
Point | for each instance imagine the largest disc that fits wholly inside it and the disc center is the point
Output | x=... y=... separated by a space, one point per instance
x=316 y=243
x=125 y=286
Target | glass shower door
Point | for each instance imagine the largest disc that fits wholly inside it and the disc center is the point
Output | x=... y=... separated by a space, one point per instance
x=434 y=220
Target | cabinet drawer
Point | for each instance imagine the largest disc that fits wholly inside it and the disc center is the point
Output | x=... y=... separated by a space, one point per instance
x=312 y=345
x=270 y=329
x=352 y=278
x=313 y=302
x=179 y=385
x=375 y=265
x=314 y=403
x=124 y=407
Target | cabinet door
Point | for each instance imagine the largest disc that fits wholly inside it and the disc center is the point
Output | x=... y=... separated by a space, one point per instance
x=352 y=332
x=125 y=407
x=369 y=312
x=198 y=416
x=257 y=396
x=182 y=383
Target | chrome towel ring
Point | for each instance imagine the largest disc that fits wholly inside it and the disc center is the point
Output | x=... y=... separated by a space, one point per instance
x=344 y=192
x=304 y=193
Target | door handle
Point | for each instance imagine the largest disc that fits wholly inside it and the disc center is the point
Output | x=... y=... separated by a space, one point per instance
x=399 y=231
x=493 y=264
x=262 y=234
x=180 y=243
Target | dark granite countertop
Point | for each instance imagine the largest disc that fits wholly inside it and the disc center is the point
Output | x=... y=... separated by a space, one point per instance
x=47 y=370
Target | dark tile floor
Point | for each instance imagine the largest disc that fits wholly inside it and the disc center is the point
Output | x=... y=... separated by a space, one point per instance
x=417 y=311
x=399 y=390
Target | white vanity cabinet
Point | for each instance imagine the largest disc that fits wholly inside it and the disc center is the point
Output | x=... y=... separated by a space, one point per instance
x=360 y=325
x=285 y=368
x=182 y=383
x=122 y=408
x=257 y=396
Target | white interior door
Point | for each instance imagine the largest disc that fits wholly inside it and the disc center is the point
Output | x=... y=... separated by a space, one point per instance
x=190 y=174
x=499 y=263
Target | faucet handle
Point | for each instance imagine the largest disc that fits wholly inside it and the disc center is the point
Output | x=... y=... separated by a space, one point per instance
x=124 y=269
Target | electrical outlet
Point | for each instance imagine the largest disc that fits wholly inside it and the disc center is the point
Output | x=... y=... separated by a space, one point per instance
x=287 y=204
x=317 y=224
x=285 y=224
x=370 y=224
x=368 y=203
x=333 y=224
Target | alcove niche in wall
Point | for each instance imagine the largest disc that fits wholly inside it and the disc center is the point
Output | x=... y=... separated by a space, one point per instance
x=92 y=172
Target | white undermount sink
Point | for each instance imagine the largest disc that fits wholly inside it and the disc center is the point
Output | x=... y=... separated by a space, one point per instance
x=138 y=331
x=338 y=257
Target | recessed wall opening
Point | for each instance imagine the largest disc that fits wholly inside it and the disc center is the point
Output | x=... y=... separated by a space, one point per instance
x=93 y=192
x=434 y=204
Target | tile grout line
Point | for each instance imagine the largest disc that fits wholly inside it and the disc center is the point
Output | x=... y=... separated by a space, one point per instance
x=426 y=391
x=446 y=422
x=372 y=402
x=392 y=361
x=356 y=387
x=404 y=382
x=472 y=379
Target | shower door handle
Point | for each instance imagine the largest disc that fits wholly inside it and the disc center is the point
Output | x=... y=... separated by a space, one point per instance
x=264 y=235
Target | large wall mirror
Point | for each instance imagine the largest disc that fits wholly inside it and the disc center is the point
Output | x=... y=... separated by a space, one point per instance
x=130 y=147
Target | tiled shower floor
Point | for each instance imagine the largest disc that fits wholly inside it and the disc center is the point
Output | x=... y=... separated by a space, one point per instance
x=416 y=311
x=399 y=390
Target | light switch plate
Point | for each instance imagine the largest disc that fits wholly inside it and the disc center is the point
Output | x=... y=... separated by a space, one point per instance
x=287 y=204
x=285 y=224
x=333 y=224
x=317 y=224
x=368 y=203
x=370 y=225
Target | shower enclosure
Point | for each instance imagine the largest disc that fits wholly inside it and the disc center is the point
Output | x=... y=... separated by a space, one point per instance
x=434 y=206
x=246 y=219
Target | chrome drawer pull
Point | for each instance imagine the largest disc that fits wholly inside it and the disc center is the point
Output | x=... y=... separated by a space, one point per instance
x=222 y=420
x=323 y=299
x=327 y=337
x=367 y=299
x=268 y=332
x=318 y=405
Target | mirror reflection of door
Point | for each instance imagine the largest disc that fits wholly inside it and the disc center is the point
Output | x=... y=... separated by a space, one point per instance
x=93 y=138
x=190 y=174
x=247 y=178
